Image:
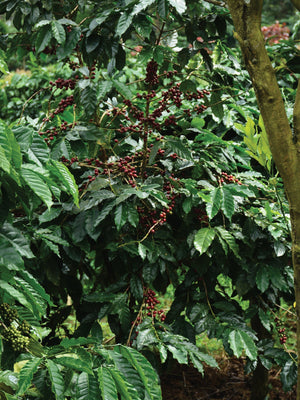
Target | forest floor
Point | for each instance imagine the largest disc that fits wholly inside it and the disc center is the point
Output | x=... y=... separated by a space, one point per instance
x=227 y=383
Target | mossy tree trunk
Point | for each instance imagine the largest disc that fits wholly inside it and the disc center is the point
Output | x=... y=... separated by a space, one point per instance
x=285 y=148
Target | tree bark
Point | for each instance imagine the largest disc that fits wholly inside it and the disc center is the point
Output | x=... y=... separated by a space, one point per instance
x=285 y=149
x=260 y=377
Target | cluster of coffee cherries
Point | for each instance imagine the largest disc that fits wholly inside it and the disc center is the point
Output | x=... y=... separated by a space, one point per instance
x=151 y=302
x=66 y=84
x=17 y=341
x=201 y=215
x=51 y=133
x=8 y=314
x=226 y=178
x=281 y=330
x=14 y=332
x=152 y=219
x=151 y=73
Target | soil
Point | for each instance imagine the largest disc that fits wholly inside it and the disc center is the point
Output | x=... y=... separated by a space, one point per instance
x=182 y=382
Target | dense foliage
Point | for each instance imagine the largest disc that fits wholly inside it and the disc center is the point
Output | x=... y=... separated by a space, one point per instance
x=133 y=160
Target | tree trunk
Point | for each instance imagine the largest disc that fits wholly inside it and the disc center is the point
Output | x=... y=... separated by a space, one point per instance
x=285 y=149
x=260 y=377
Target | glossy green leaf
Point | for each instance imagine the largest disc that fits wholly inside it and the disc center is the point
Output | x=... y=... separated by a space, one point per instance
x=227 y=203
x=240 y=341
x=74 y=363
x=123 y=387
x=58 y=32
x=124 y=23
x=229 y=240
x=43 y=38
x=65 y=176
x=121 y=215
x=141 y=5
x=4 y=163
x=37 y=185
x=179 y=5
x=8 y=255
x=142 y=251
x=215 y=201
x=15 y=294
x=262 y=279
x=26 y=375
x=203 y=239
x=87 y=387
x=57 y=380
x=145 y=370
x=107 y=384
x=289 y=375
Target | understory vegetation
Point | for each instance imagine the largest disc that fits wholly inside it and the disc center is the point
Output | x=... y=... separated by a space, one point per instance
x=142 y=217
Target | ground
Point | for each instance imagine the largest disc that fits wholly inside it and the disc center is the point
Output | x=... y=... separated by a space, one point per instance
x=227 y=383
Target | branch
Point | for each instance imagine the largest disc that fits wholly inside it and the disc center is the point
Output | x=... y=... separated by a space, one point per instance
x=296 y=4
x=296 y=114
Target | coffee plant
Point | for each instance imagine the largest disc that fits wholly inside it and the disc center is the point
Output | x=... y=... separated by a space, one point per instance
x=128 y=166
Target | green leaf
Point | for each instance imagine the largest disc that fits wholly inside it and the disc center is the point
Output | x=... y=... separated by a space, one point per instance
x=72 y=39
x=141 y=5
x=72 y=342
x=163 y=352
x=57 y=380
x=189 y=86
x=123 y=89
x=103 y=88
x=87 y=387
x=239 y=341
x=215 y=201
x=58 y=32
x=198 y=123
x=228 y=203
x=121 y=215
x=178 y=146
x=4 y=163
x=65 y=176
x=133 y=215
x=126 y=391
x=3 y=65
x=142 y=251
x=26 y=375
x=145 y=370
x=196 y=363
x=8 y=255
x=17 y=240
x=179 y=353
x=9 y=378
x=265 y=319
x=88 y=99
x=107 y=384
x=179 y=5
x=123 y=23
x=288 y=375
x=216 y=104
x=136 y=287
x=15 y=294
x=262 y=279
x=43 y=38
x=37 y=185
x=229 y=239
x=36 y=286
x=203 y=239
x=74 y=363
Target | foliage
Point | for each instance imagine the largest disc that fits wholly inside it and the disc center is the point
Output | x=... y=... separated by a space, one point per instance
x=168 y=194
x=275 y=32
